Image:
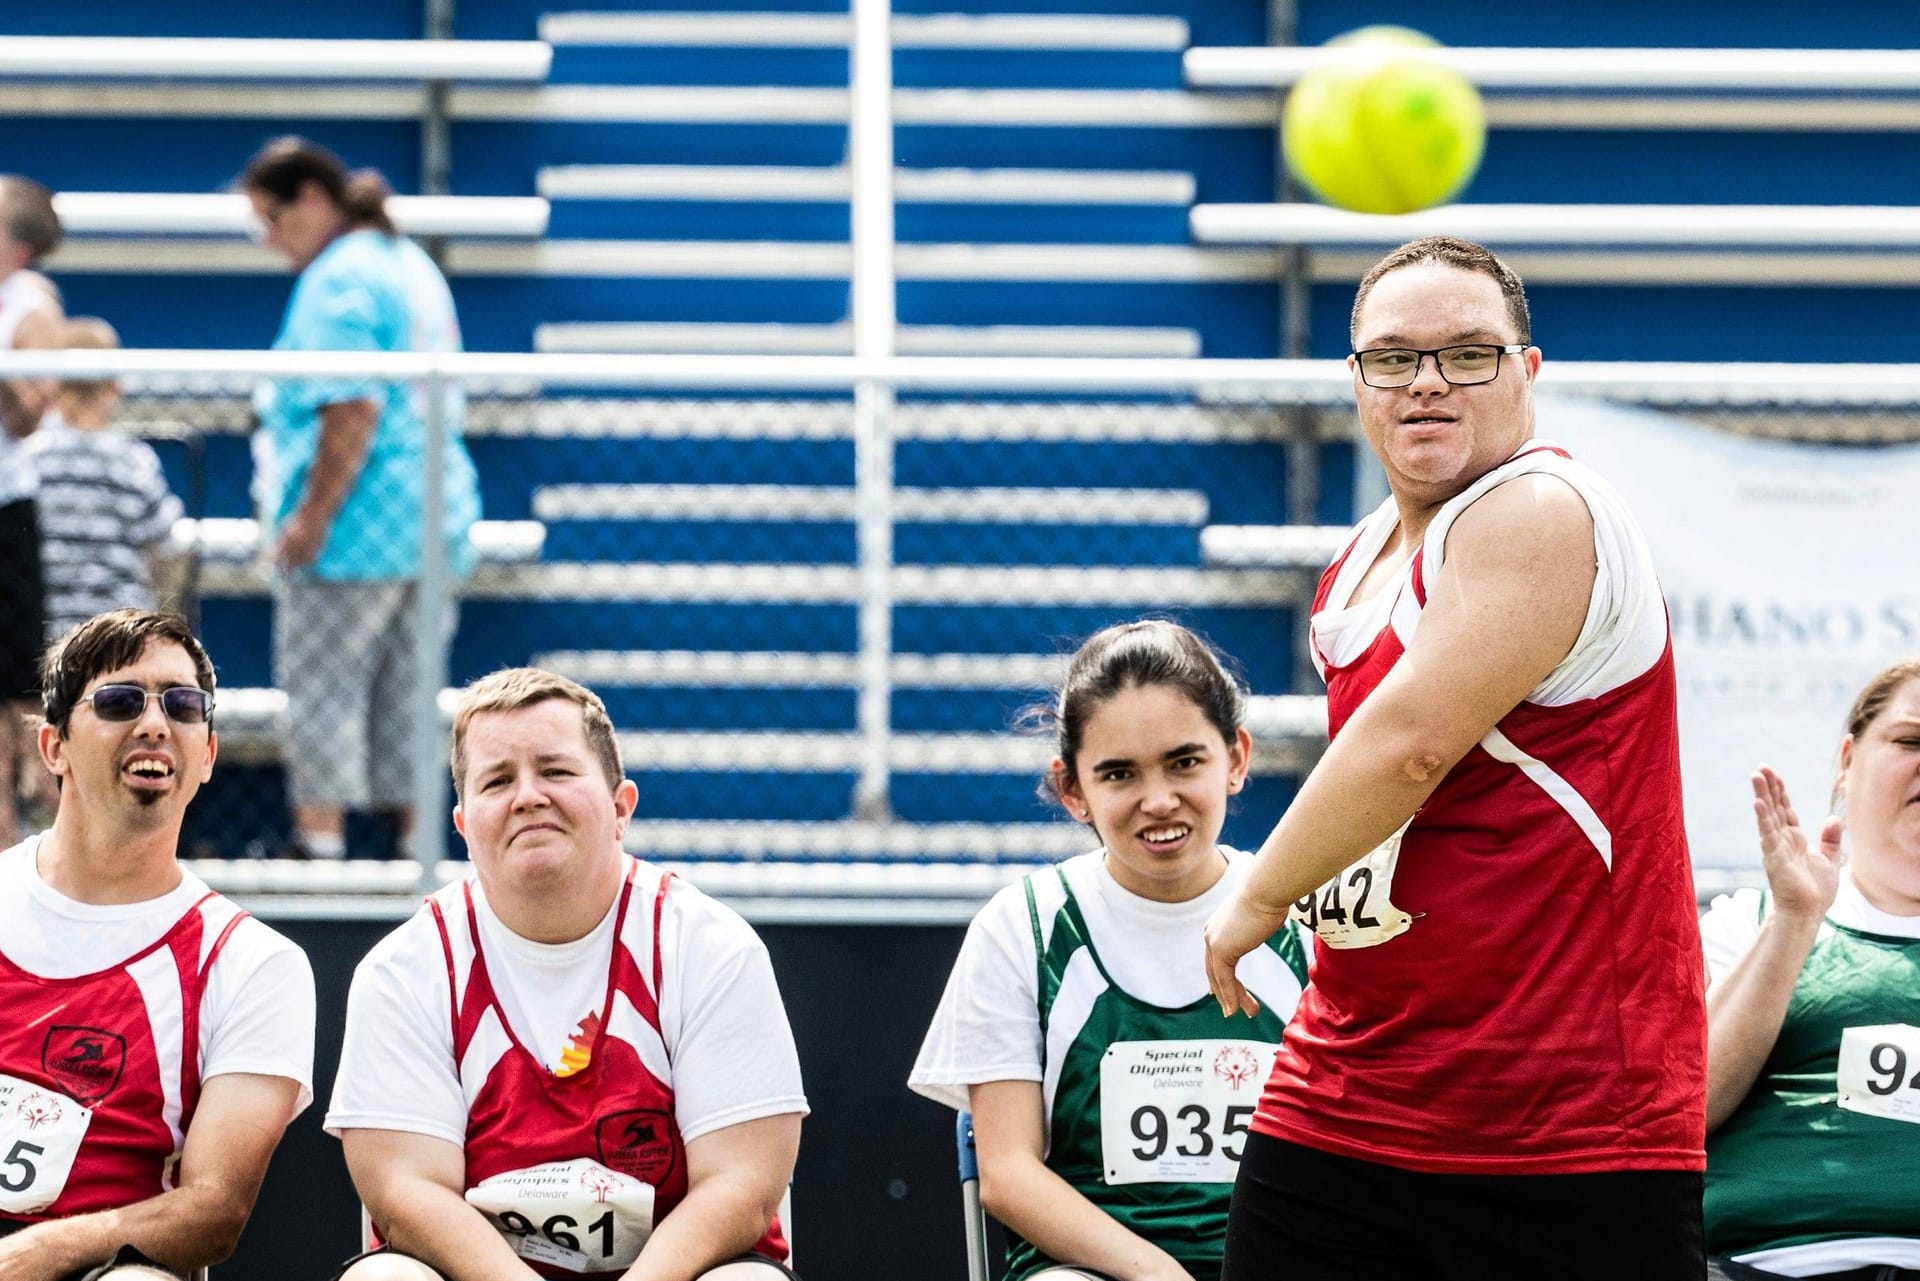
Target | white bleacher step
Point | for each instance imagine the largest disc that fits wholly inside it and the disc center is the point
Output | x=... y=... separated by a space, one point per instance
x=824 y=183
x=1605 y=69
x=833 y=261
x=909 y=753
x=776 y=668
x=153 y=213
x=1780 y=226
x=221 y=58
x=731 y=418
x=790 y=105
x=836 y=339
x=1300 y=547
x=776 y=106
x=1008 y=505
x=618 y=582
x=785 y=30
x=232 y=540
x=765 y=869
x=1271 y=717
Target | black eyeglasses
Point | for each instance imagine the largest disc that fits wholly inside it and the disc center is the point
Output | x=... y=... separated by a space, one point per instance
x=1461 y=366
x=183 y=704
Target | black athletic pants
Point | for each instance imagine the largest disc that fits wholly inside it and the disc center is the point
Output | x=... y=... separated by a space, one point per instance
x=1300 y=1214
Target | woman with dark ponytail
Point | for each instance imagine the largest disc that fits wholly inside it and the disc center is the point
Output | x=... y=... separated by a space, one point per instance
x=1110 y=1096
x=342 y=476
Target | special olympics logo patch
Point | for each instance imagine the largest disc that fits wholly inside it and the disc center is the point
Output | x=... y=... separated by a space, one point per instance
x=39 y=1110
x=1235 y=1064
x=600 y=1184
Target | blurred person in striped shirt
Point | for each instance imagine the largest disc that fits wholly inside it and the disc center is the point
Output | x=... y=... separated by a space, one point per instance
x=105 y=508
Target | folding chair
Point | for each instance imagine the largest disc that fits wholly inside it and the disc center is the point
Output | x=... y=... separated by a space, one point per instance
x=976 y=1218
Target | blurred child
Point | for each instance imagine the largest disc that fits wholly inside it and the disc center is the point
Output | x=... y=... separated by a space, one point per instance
x=105 y=509
x=30 y=316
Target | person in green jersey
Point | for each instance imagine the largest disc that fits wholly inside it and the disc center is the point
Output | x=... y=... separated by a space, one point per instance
x=1110 y=1098
x=1813 y=1015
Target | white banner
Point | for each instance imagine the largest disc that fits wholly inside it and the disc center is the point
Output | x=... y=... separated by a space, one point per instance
x=1792 y=574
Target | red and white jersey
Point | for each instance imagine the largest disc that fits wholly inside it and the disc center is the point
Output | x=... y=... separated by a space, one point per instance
x=617 y=1109
x=1544 y=1010
x=125 y=1042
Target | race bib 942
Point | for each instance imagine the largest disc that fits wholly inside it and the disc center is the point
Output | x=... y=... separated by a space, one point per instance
x=1356 y=908
x=1880 y=1071
x=1178 y=1111
x=577 y=1215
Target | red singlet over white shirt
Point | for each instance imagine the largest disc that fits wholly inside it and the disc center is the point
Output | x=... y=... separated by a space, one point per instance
x=114 y=1015
x=1543 y=1012
x=662 y=1024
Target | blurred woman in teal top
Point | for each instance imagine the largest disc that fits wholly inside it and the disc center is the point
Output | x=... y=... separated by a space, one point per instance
x=339 y=478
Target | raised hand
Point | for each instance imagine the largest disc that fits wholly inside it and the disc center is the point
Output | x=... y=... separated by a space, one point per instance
x=1803 y=876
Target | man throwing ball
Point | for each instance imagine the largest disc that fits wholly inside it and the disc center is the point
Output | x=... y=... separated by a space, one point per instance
x=154 y=1040
x=570 y=1062
x=1499 y=1066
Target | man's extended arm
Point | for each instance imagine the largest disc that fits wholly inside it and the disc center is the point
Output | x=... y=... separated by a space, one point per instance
x=236 y=1126
x=346 y=434
x=1506 y=608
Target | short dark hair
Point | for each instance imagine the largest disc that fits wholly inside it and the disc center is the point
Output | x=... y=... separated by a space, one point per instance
x=30 y=215
x=1449 y=251
x=287 y=164
x=1153 y=651
x=105 y=642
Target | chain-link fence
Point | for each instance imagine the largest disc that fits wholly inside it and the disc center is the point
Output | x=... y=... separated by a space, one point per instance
x=687 y=537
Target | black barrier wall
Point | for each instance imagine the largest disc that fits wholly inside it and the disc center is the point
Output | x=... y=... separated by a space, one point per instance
x=875 y=1195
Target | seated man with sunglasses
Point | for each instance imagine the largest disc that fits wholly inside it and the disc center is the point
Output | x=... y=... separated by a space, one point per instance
x=154 y=1039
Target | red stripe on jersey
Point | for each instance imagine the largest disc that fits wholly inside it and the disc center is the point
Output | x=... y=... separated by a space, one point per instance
x=90 y=1038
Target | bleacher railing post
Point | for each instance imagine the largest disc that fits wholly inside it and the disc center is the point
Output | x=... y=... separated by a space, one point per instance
x=428 y=835
x=871 y=148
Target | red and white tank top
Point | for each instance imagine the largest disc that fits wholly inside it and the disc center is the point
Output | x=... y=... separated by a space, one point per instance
x=1544 y=1010
x=100 y=1074
x=618 y=1109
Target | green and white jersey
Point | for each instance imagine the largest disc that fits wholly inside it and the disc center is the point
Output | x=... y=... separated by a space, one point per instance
x=1100 y=996
x=1814 y=1172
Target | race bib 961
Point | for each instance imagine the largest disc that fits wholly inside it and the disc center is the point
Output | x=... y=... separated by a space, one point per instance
x=40 y=1134
x=1178 y=1111
x=577 y=1215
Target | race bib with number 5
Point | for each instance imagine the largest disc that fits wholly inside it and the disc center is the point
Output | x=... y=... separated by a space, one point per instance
x=1355 y=908
x=577 y=1215
x=1880 y=1071
x=40 y=1134
x=1178 y=1111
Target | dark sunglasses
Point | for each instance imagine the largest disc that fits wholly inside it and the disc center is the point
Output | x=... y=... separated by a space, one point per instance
x=183 y=704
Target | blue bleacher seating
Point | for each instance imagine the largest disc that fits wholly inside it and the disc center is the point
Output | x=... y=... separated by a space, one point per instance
x=1099 y=102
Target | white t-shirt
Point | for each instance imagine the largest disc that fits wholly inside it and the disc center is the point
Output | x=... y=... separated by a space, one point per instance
x=721 y=1017
x=1731 y=924
x=988 y=1025
x=1729 y=928
x=257 y=1013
